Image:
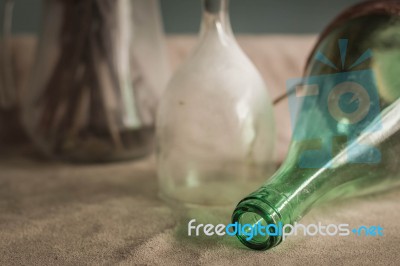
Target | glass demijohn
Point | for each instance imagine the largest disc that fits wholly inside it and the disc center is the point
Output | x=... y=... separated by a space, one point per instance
x=215 y=124
x=98 y=75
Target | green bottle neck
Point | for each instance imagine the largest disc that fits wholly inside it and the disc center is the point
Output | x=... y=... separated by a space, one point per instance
x=265 y=206
x=282 y=200
x=292 y=191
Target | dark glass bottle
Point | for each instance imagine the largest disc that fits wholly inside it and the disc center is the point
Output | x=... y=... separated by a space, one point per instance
x=98 y=75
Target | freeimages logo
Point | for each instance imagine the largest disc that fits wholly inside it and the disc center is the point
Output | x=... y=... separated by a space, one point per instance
x=331 y=112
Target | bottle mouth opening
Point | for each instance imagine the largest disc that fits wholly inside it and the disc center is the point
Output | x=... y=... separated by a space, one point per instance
x=257 y=223
x=215 y=6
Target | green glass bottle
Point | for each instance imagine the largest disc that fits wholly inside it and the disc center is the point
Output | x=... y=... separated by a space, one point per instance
x=347 y=136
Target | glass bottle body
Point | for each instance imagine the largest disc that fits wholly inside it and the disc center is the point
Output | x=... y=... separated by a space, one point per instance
x=92 y=97
x=215 y=129
x=361 y=158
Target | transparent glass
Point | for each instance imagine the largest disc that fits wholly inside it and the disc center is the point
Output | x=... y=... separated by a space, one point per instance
x=364 y=164
x=215 y=127
x=99 y=72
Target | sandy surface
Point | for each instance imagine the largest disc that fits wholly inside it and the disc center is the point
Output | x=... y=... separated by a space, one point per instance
x=54 y=213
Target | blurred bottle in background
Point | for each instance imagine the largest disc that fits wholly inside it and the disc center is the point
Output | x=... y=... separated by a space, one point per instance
x=99 y=71
x=215 y=129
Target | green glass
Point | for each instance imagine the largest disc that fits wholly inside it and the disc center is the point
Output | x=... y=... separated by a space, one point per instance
x=350 y=170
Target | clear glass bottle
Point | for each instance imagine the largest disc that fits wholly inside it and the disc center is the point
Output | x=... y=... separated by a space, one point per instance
x=362 y=157
x=99 y=72
x=215 y=127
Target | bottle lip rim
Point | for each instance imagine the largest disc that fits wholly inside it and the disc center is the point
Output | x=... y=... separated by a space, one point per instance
x=267 y=213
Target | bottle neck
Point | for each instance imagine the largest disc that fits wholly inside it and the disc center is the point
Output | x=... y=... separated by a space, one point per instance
x=293 y=191
x=216 y=18
x=283 y=200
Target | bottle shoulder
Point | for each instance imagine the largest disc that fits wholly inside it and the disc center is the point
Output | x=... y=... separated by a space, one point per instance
x=213 y=63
